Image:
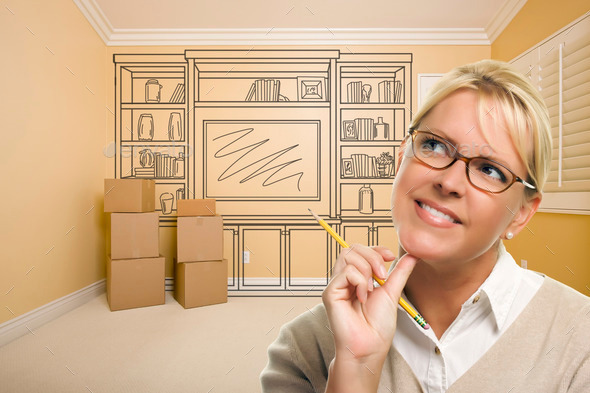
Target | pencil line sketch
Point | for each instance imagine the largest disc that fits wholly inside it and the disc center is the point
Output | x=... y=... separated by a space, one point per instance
x=264 y=161
x=240 y=152
x=269 y=133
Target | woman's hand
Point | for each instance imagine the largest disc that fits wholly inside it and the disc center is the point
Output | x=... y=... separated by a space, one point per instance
x=363 y=318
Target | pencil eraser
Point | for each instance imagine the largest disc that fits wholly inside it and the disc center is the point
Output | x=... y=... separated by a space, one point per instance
x=427 y=326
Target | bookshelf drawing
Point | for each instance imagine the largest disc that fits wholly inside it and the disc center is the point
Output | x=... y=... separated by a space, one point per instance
x=373 y=110
x=151 y=129
x=269 y=134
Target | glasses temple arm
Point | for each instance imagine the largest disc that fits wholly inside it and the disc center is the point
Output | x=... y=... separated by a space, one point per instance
x=528 y=185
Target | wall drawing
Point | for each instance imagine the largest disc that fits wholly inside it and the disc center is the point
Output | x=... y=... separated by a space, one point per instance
x=263 y=159
x=269 y=134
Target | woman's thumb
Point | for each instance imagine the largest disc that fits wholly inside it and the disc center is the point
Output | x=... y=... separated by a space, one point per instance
x=399 y=275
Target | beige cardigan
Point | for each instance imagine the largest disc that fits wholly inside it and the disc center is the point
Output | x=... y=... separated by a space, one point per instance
x=547 y=349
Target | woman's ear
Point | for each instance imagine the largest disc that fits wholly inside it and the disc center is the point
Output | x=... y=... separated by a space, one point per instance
x=524 y=214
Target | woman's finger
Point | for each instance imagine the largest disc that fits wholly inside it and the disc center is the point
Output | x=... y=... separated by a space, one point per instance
x=385 y=252
x=375 y=259
x=399 y=276
x=340 y=285
x=351 y=256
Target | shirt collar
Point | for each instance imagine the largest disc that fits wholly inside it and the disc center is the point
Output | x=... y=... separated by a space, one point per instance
x=500 y=287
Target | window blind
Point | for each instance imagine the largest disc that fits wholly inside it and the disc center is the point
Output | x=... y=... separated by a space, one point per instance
x=560 y=68
x=564 y=83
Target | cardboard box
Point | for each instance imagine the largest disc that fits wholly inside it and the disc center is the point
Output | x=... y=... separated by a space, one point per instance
x=195 y=207
x=133 y=283
x=199 y=239
x=129 y=195
x=199 y=284
x=135 y=235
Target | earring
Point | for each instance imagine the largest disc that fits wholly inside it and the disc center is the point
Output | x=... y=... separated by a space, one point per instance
x=509 y=235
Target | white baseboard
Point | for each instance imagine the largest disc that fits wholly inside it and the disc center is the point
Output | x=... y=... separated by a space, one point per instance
x=270 y=281
x=19 y=326
x=265 y=281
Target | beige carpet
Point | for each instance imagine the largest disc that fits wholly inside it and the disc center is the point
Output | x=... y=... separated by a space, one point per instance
x=220 y=348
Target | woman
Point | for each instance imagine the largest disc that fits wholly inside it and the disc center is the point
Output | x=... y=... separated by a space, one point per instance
x=475 y=160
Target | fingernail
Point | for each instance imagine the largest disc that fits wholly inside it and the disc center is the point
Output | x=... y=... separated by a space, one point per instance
x=382 y=272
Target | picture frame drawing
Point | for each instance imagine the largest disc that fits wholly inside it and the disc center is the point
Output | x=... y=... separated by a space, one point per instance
x=347 y=168
x=349 y=131
x=311 y=88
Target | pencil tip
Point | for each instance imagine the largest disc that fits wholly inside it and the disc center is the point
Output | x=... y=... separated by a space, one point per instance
x=314 y=215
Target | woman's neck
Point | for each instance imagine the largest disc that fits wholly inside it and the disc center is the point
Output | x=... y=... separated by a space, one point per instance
x=438 y=292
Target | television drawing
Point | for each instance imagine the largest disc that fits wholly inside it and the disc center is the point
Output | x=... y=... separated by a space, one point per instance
x=262 y=159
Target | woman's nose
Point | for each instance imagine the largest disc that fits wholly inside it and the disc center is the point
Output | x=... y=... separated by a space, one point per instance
x=453 y=180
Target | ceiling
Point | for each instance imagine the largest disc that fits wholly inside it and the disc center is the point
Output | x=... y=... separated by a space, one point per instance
x=146 y=22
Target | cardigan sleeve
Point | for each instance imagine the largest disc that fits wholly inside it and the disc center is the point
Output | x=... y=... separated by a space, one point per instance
x=283 y=373
x=581 y=381
x=298 y=360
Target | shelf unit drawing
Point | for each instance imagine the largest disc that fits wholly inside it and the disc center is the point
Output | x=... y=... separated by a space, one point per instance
x=373 y=112
x=269 y=134
x=151 y=128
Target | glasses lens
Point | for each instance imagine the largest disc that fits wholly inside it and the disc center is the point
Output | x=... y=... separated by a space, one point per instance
x=433 y=150
x=489 y=175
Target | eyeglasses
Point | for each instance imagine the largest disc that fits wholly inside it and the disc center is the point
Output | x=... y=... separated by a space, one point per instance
x=483 y=173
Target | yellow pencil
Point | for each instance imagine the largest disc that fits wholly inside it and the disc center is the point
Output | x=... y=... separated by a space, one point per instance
x=409 y=309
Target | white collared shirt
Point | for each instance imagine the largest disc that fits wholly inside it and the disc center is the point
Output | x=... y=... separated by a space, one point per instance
x=483 y=318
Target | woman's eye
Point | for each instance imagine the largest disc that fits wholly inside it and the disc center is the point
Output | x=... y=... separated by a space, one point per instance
x=435 y=146
x=492 y=172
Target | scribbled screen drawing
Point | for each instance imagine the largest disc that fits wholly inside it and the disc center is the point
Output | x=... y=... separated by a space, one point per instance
x=270 y=160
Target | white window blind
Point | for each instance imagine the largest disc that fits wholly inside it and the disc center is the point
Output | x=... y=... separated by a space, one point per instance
x=560 y=68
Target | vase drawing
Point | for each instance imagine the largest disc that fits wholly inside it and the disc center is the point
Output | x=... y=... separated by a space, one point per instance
x=152 y=90
x=366 y=199
x=166 y=202
x=145 y=127
x=175 y=127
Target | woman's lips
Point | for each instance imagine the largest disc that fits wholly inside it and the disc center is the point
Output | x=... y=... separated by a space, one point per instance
x=436 y=215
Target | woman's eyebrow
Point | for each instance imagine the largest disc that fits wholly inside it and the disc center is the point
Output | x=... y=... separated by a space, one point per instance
x=441 y=133
x=490 y=151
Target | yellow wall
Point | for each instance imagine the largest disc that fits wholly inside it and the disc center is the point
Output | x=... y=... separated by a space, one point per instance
x=555 y=244
x=537 y=20
x=53 y=122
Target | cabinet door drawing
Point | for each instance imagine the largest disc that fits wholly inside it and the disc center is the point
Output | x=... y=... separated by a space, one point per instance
x=230 y=252
x=262 y=257
x=304 y=271
x=381 y=233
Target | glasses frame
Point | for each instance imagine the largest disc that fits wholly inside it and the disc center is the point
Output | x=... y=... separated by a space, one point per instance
x=458 y=156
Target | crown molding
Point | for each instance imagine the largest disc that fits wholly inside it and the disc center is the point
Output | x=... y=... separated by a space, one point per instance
x=503 y=17
x=290 y=36
x=277 y=36
x=96 y=18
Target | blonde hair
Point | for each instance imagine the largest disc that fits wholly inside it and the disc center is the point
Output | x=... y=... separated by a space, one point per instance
x=524 y=110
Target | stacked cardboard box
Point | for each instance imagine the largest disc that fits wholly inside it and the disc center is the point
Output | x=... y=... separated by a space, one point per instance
x=135 y=268
x=200 y=270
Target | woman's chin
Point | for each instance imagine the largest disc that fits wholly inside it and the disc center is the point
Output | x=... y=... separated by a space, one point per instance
x=423 y=248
